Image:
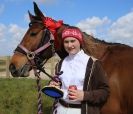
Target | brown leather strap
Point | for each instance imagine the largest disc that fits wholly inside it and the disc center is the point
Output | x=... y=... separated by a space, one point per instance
x=68 y=105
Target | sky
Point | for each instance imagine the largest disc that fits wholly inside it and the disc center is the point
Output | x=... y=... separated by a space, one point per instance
x=108 y=20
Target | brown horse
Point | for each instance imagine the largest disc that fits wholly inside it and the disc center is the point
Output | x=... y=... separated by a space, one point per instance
x=117 y=60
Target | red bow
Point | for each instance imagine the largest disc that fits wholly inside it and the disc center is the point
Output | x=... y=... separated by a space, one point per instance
x=51 y=24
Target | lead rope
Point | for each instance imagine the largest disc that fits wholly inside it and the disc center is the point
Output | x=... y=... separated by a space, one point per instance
x=38 y=79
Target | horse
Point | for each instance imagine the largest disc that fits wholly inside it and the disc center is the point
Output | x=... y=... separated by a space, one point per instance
x=116 y=59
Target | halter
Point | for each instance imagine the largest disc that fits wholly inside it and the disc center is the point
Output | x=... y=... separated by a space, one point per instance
x=32 y=54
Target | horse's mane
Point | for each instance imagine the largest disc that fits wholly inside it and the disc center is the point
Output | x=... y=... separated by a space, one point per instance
x=97 y=40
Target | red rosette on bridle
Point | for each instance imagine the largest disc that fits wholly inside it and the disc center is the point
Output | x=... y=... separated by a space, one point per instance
x=51 y=24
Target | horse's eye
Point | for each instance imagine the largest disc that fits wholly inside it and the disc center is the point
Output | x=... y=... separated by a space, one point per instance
x=30 y=24
x=33 y=34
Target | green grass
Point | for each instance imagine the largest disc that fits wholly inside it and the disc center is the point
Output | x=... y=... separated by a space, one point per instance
x=19 y=96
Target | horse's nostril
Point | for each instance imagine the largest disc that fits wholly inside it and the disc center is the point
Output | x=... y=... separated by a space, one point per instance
x=12 y=67
x=13 y=70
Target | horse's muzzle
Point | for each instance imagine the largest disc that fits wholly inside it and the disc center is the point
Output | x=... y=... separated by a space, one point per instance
x=23 y=72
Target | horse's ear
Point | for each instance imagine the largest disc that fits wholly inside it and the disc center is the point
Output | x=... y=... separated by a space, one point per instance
x=37 y=11
x=31 y=16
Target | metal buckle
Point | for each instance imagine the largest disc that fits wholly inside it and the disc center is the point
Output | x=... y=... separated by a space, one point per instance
x=30 y=55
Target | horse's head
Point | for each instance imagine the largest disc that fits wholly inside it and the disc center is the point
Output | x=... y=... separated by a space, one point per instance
x=36 y=46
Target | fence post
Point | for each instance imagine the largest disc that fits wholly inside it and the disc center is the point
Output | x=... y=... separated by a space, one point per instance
x=7 y=66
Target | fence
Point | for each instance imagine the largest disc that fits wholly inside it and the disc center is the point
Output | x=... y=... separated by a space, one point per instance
x=5 y=73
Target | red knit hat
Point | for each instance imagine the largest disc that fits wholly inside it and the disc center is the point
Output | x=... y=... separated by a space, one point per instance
x=72 y=32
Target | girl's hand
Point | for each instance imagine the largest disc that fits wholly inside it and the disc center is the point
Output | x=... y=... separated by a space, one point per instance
x=76 y=95
x=53 y=83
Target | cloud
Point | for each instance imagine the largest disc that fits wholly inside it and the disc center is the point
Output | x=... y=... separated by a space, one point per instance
x=92 y=25
x=122 y=28
x=120 y=31
x=16 y=31
x=2 y=7
x=10 y=36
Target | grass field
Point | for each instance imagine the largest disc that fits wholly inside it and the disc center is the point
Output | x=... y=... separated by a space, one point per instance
x=19 y=96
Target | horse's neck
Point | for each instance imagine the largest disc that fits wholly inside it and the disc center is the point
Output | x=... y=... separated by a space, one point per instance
x=95 y=48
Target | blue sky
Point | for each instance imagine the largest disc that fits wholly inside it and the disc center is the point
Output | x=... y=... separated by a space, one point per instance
x=109 y=20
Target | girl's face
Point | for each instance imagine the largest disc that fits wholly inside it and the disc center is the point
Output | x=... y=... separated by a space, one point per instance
x=71 y=45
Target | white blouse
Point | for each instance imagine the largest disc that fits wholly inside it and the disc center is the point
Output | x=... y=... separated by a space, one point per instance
x=74 y=68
